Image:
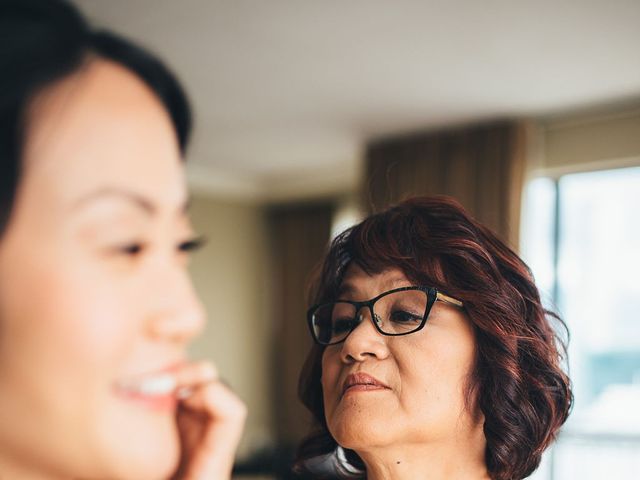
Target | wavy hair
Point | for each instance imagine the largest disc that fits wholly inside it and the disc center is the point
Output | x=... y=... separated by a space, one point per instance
x=517 y=382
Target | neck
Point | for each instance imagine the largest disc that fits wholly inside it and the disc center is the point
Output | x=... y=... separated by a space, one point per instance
x=426 y=462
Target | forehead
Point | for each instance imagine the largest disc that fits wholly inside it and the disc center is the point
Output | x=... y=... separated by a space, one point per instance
x=359 y=283
x=101 y=127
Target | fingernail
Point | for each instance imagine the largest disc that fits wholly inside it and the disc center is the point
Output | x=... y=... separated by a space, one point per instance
x=209 y=372
x=184 y=392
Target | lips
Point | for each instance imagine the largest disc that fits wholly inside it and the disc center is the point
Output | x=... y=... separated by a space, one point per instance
x=156 y=390
x=149 y=385
x=362 y=382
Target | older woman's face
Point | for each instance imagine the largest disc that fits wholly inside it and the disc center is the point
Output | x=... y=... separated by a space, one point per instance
x=93 y=289
x=420 y=396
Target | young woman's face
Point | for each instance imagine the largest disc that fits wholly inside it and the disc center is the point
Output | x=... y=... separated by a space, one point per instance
x=421 y=378
x=93 y=289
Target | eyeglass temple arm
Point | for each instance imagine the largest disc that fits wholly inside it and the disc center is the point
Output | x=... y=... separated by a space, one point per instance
x=447 y=299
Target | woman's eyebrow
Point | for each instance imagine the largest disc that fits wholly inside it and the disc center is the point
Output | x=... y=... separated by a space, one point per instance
x=138 y=200
x=135 y=198
x=398 y=282
x=345 y=289
x=350 y=289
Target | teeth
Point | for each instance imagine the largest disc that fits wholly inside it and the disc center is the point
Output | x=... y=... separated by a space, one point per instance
x=151 y=385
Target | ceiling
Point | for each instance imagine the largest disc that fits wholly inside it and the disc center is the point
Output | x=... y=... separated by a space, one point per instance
x=287 y=92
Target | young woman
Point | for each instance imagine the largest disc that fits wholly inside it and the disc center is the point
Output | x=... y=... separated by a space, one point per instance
x=95 y=304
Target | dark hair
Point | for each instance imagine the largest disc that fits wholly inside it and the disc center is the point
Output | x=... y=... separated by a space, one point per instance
x=517 y=382
x=42 y=41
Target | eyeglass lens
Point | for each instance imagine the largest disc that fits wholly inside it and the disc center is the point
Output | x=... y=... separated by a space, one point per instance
x=395 y=313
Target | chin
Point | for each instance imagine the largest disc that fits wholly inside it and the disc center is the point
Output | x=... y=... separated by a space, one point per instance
x=143 y=448
x=359 y=431
x=156 y=462
x=360 y=441
x=159 y=470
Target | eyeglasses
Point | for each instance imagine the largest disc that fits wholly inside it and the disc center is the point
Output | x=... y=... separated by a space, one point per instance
x=397 y=312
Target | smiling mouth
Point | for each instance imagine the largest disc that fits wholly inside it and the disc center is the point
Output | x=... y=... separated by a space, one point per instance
x=149 y=385
x=156 y=391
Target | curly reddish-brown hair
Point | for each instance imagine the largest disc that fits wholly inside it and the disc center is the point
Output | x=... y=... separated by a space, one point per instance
x=517 y=381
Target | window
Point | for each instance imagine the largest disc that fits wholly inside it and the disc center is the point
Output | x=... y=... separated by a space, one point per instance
x=581 y=237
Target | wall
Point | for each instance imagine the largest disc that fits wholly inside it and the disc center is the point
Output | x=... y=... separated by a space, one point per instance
x=230 y=275
x=591 y=142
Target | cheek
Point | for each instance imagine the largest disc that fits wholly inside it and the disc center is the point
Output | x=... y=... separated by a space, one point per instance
x=66 y=332
x=98 y=314
x=69 y=317
x=93 y=318
x=330 y=374
x=434 y=378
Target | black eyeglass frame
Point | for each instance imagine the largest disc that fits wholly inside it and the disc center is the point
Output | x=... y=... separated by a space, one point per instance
x=433 y=295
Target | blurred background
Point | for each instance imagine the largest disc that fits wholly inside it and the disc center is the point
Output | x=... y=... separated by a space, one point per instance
x=312 y=114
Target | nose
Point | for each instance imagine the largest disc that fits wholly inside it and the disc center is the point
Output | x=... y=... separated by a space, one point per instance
x=177 y=315
x=364 y=341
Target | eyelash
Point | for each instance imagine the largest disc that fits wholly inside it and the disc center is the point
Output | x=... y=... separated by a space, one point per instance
x=188 y=246
x=193 y=244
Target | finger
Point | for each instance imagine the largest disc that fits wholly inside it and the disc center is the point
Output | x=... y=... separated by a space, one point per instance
x=205 y=396
x=216 y=399
x=226 y=416
x=194 y=374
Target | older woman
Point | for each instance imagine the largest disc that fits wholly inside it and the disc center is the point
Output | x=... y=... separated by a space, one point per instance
x=434 y=356
x=96 y=307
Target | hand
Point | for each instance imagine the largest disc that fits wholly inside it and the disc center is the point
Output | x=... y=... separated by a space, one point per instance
x=210 y=420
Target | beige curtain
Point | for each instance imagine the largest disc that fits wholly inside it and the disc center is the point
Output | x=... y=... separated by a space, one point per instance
x=299 y=236
x=482 y=166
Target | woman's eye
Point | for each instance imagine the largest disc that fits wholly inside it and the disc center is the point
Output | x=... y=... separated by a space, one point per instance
x=402 y=316
x=130 y=249
x=135 y=249
x=192 y=244
x=342 y=325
